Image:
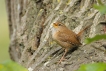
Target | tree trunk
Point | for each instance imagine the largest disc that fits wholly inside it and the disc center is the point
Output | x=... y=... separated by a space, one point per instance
x=31 y=44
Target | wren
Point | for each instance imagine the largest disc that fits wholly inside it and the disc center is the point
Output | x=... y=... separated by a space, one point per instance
x=65 y=37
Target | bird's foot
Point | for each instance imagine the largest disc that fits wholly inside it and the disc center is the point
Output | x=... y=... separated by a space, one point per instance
x=62 y=59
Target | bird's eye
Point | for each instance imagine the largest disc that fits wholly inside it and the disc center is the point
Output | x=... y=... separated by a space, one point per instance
x=59 y=24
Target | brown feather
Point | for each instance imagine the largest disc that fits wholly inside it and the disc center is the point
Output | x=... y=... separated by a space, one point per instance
x=66 y=40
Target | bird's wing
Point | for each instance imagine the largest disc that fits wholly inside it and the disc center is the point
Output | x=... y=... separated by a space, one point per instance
x=70 y=38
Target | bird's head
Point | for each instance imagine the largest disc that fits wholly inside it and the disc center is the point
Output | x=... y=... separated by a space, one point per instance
x=58 y=24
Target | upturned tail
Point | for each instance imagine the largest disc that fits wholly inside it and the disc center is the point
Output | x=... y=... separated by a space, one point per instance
x=82 y=31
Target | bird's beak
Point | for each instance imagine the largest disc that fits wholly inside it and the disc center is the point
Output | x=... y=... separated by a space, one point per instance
x=54 y=25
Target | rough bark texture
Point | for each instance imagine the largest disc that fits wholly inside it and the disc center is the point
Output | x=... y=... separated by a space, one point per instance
x=30 y=33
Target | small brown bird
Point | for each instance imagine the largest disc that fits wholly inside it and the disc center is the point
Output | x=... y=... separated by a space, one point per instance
x=65 y=37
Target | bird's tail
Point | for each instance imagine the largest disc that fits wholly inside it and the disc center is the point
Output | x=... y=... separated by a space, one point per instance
x=82 y=31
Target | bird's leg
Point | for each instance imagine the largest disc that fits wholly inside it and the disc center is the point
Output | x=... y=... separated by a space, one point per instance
x=62 y=58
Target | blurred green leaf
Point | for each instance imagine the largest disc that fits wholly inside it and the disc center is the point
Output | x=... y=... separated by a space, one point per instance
x=100 y=2
x=93 y=67
x=97 y=37
x=11 y=66
x=101 y=7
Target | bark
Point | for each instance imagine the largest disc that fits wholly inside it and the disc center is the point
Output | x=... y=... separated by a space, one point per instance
x=31 y=44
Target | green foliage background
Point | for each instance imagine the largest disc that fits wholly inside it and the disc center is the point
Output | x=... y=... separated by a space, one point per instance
x=4 y=33
x=93 y=67
x=11 y=66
